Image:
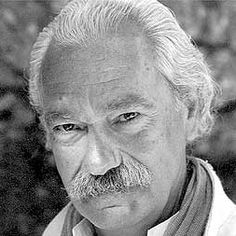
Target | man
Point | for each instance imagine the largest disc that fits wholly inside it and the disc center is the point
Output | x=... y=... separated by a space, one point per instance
x=121 y=90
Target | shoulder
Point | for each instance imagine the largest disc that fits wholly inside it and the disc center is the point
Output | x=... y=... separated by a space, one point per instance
x=55 y=226
x=222 y=218
x=229 y=226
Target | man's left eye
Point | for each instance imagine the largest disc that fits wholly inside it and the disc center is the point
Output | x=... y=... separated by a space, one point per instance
x=128 y=116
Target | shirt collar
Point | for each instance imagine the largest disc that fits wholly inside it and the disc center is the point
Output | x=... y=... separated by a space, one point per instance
x=85 y=228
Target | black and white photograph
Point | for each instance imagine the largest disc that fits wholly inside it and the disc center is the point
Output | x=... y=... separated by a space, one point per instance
x=117 y=117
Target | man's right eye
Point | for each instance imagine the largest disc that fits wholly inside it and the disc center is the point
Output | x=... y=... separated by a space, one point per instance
x=67 y=128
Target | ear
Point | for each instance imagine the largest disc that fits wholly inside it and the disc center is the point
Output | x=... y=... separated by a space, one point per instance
x=48 y=145
x=190 y=123
x=47 y=141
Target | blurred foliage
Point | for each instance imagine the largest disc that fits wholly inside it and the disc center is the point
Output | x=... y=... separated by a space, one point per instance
x=30 y=189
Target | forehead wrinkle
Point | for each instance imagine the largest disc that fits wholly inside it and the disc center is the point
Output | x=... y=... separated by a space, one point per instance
x=129 y=100
x=72 y=83
x=85 y=73
x=117 y=74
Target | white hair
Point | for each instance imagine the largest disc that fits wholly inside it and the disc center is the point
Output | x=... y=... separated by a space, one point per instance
x=181 y=63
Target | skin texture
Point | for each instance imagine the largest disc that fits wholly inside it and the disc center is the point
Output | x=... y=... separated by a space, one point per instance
x=90 y=89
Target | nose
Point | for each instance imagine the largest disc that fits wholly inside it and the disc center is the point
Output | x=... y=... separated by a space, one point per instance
x=100 y=156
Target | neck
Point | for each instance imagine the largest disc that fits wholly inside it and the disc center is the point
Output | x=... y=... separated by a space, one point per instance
x=131 y=231
x=176 y=197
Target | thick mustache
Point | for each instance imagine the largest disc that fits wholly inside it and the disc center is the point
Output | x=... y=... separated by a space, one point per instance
x=121 y=179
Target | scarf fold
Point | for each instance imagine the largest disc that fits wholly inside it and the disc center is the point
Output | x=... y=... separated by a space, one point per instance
x=193 y=214
x=196 y=205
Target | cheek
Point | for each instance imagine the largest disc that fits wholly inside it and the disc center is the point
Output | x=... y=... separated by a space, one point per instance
x=142 y=144
x=175 y=139
x=161 y=148
x=68 y=160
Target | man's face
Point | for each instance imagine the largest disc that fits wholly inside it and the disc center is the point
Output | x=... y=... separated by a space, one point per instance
x=105 y=106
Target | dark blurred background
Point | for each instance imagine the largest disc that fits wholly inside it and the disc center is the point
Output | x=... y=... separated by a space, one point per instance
x=30 y=189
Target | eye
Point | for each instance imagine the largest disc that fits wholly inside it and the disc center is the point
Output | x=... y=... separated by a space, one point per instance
x=128 y=116
x=67 y=128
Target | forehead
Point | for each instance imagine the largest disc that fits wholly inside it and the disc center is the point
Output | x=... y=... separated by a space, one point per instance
x=120 y=51
x=114 y=66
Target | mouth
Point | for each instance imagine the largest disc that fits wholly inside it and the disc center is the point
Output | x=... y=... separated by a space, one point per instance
x=113 y=207
x=108 y=207
x=113 y=194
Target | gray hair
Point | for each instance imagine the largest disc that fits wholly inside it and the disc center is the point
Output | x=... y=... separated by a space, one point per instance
x=177 y=59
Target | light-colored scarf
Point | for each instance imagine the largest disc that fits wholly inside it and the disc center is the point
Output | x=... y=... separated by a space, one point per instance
x=193 y=213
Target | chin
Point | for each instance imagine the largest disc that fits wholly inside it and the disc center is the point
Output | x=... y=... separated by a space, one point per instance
x=114 y=218
x=115 y=211
x=107 y=212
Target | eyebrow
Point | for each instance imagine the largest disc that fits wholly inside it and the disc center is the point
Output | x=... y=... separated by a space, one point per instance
x=119 y=103
x=128 y=101
x=51 y=116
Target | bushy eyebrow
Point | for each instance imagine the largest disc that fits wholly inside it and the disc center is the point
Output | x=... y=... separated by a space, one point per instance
x=129 y=101
x=51 y=116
